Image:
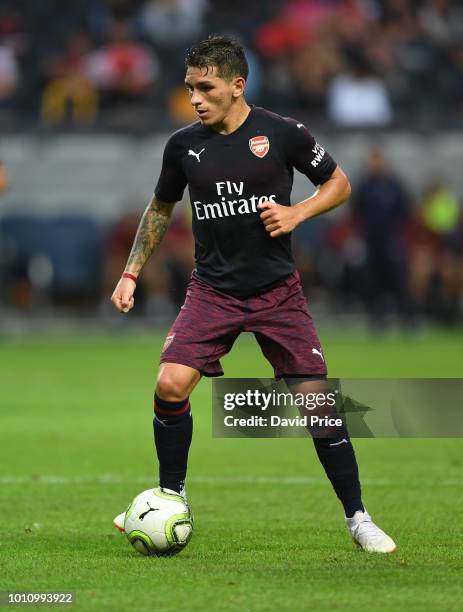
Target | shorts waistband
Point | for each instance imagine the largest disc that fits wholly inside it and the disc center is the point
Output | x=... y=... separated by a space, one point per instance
x=277 y=283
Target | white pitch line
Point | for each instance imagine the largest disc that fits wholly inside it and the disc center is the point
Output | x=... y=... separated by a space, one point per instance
x=49 y=479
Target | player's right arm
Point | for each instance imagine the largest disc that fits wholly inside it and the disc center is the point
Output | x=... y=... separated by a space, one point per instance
x=155 y=220
x=151 y=230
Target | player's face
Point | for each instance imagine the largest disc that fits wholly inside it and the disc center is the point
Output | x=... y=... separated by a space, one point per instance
x=211 y=96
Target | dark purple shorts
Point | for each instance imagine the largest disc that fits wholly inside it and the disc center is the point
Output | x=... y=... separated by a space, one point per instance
x=210 y=321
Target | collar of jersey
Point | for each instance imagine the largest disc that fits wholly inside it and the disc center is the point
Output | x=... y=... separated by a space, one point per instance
x=238 y=129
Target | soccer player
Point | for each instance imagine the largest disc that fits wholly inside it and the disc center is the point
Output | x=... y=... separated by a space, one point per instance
x=238 y=162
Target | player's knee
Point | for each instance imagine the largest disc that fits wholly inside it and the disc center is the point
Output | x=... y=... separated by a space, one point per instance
x=170 y=388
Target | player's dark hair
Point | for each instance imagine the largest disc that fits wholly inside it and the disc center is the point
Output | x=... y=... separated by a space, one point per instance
x=223 y=52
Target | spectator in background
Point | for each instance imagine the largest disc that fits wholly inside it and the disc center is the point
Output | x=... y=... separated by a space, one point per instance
x=9 y=73
x=277 y=41
x=437 y=246
x=453 y=86
x=442 y=21
x=13 y=42
x=441 y=212
x=4 y=179
x=419 y=63
x=68 y=87
x=312 y=68
x=357 y=97
x=170 y=26
x=101 y=14
x=124 y=71
x=302 y=53
x=239 y=16
x=170 y=23
x=381 y=206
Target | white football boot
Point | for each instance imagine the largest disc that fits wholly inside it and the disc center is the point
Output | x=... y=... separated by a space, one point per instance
x=119 y=520
x=367 y=535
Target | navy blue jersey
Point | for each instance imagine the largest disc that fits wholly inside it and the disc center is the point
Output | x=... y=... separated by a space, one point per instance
x=227 y=177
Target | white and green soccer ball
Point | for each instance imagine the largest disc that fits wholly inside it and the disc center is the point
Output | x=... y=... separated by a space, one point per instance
x=158 y=522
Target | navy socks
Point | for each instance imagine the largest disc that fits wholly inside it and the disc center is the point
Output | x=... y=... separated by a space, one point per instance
x=338 y=459
x=173 y=429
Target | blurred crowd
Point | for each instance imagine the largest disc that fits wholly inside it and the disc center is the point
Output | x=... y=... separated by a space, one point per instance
x=387 y=254
x=396 y=256
x=74 y=64
x=120 y=62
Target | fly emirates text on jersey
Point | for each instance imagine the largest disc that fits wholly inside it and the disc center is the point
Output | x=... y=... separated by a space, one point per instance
x=226 y=206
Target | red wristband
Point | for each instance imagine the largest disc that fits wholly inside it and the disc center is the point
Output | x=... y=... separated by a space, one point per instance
x=131 y=276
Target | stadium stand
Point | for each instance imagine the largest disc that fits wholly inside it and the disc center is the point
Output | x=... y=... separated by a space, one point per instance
x=90 y=89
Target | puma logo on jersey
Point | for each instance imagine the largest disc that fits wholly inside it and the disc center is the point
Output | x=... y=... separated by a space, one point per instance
x=317 y=352
x=191 y=152
x=299 y=125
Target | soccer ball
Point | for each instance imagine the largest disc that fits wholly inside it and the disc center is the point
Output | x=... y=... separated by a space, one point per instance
x=158 y=522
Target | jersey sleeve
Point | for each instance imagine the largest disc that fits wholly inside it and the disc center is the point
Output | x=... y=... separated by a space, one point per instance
x=305 y=154
x=172 y=180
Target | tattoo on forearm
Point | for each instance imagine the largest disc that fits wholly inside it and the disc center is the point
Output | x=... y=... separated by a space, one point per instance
x=153 y=225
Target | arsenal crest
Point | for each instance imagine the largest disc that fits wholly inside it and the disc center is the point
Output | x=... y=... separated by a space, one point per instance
x=168 y=342
x=259 y=145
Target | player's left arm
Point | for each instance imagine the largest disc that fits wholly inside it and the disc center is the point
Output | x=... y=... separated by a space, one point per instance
x=301 y=151
x=280 y=219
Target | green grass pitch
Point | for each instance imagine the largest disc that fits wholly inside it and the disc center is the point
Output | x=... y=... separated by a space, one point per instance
x=76 y=446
